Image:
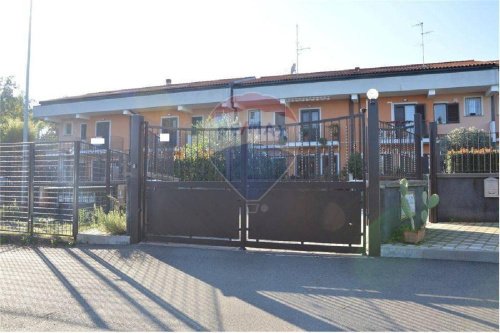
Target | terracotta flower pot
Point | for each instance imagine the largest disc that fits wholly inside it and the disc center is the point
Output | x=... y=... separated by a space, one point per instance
x=414 y=237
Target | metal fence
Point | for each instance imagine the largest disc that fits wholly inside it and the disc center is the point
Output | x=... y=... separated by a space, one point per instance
x=329 y=149
x=400 y=150
x=468 y=151
x=40 y=181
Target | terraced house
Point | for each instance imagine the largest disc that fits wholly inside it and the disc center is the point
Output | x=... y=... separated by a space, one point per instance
x=454 y=94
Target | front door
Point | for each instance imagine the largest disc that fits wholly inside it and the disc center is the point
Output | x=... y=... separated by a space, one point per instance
x=102 y=130
x=169 y=125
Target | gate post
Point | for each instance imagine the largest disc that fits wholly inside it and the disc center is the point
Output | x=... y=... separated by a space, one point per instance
x=76 y=185
x=108 y=179
x=374 y=238
x=31 y=189
x=417 y=121
x=433 y=167
x=244 y=185
x=135 y=180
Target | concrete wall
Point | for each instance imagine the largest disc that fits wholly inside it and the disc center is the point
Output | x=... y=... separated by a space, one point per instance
x=462 y=199
x=390 y=205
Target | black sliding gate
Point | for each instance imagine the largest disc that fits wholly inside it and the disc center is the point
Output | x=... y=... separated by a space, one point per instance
x=298 y=186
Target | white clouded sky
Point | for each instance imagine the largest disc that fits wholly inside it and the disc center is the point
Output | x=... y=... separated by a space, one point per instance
x=81 y=46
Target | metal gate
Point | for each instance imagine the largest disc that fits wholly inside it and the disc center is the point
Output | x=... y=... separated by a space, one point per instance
x=297 y=186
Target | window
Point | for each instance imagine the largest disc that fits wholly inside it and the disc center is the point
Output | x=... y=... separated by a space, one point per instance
x=279 y=119
x=317 y=165
x=446 y=113
x=169 y=125
x=254 y=118
x=83 y=132
x=473 y=106
x=404 y=112
x=306 y=166
x=196 y=120
x=68 y=129
x=329 y=165
x=309 y=132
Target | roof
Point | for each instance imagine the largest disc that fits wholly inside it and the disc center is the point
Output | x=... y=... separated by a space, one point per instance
x=413 y=69
x=377 y=71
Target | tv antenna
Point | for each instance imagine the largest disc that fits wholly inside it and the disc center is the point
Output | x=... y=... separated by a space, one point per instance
x=422 y=33
x=299 y=49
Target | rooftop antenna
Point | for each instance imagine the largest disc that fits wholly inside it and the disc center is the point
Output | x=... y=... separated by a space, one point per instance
x=422 y=33
x=298 y=48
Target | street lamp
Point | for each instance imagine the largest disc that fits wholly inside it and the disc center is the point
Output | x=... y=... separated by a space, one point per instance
x=374 y=237
x=372 y=95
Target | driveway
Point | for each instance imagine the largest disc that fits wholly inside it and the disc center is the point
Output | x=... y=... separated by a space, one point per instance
x=154 y=287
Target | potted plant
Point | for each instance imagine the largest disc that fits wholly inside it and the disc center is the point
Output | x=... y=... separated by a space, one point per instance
x=412 y=234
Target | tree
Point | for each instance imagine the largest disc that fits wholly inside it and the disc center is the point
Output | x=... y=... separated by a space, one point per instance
x=11 y=106
x=12 y=119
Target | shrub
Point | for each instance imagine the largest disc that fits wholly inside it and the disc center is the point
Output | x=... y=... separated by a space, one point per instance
x=466 y=138
x=355 y=165
x=114 y=222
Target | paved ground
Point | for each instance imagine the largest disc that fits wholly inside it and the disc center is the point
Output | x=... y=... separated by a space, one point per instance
x=452 y=241
x=152 y=287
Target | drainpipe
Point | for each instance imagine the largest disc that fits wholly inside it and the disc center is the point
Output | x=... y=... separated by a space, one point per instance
x=232 y=84
x=493 y=129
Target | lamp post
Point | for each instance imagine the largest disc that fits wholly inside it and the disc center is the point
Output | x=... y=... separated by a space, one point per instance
x=27 y=93
x=374 y=239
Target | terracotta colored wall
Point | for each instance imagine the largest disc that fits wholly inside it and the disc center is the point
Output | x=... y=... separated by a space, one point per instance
x=481 y=122
x=328 y=109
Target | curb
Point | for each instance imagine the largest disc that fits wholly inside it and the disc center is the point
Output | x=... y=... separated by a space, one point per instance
x=102 y=239
x=409 y=251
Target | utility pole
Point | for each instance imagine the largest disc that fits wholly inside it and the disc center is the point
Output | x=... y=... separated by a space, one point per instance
x=422 y=33
x=298 y=48
x=27 y=93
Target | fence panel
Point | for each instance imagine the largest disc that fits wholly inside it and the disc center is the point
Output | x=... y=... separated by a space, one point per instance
x=53 y=188
x=38 y=185
x=468 y=151
x=14 y=184
x=398 y=153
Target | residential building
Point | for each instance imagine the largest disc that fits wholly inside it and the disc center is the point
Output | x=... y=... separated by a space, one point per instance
x=455 y=94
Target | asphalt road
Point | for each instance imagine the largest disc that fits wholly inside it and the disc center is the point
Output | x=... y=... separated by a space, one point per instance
x=153 y=287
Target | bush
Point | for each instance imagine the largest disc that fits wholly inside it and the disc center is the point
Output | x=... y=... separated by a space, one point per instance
x=114 y=222
x=355 y=165
x=467 y=138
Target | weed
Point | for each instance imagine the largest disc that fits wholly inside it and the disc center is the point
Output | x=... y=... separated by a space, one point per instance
x=56 y=241
x=4 y=239
x=114 y=222
x=397 y=235
x=28 y=240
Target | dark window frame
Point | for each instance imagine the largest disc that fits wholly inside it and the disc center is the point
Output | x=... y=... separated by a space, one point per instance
x=447 y=112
